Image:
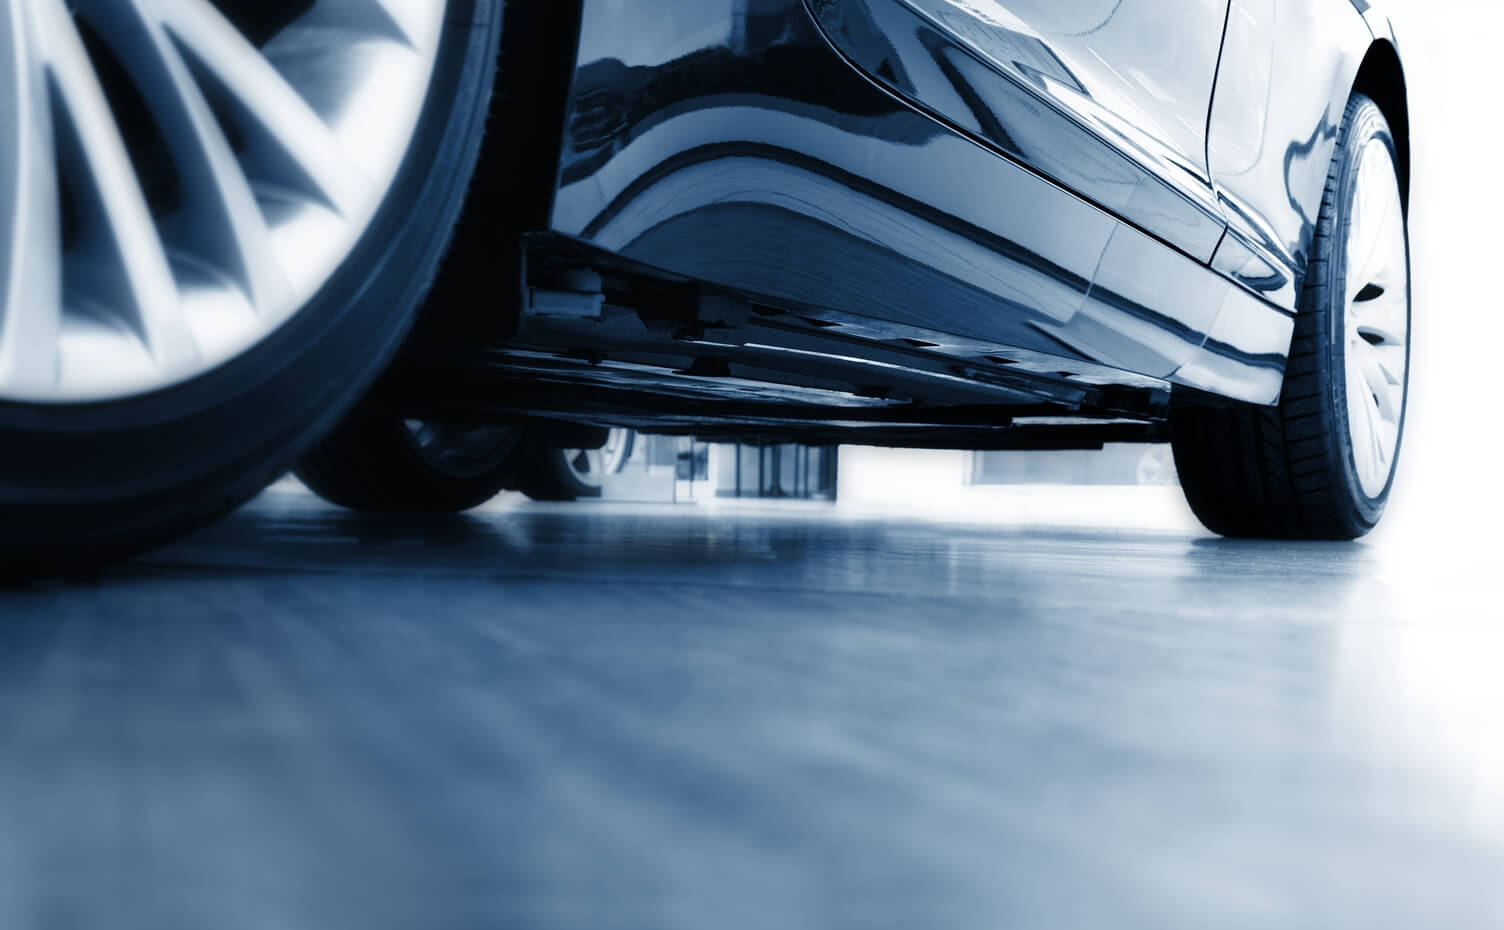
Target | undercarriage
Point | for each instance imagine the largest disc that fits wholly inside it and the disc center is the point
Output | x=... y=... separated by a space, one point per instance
x=596 y=341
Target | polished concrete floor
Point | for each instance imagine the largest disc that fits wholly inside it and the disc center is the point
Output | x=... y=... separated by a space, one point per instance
x=739 y=716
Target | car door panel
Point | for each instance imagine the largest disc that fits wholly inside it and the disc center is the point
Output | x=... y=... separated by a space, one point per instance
x=1142 y=69
x=700 y=149
x=849 y=179
x=1287 y=74
x=739 y=148
x=1012 y=89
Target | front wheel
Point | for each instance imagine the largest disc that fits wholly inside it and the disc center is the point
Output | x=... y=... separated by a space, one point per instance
x=1320 y=465
x=217 y=219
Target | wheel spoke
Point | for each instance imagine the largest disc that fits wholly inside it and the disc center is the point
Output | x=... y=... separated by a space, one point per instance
x=221 y=224
x=119 y=266
x=1378 y=382
x=296 y=147
x=1382 y=431
x=173 y=189
x=1364 y=422
x=1377 y=317
x=616 y=452
x=1359 y=400
x=1377 y=461
x=1381 y=321
x=31 y=310
x=404 y=15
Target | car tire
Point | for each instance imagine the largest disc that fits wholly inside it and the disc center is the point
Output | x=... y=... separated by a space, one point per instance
x=86 y=482
x=1320 y=464
x=378 y=462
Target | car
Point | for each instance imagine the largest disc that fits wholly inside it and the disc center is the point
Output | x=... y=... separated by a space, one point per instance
x=401 y=245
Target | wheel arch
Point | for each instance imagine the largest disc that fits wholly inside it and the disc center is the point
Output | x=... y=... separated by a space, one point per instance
x=1381 y=77
x=512 y=191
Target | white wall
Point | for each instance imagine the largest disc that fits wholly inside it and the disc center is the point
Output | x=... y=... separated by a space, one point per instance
x=1450 y=490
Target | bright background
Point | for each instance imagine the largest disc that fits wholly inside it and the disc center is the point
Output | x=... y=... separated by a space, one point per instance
x=1447 y=498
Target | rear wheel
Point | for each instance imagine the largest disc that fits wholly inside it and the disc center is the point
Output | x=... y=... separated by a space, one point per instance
x=377 y=462
x=216 y=220
x=1320 y=464
x=549 y=474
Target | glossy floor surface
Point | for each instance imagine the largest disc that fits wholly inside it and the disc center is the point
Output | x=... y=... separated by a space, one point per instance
x=723 y=717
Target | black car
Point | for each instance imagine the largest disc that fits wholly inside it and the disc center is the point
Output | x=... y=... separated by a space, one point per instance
x=412 y=248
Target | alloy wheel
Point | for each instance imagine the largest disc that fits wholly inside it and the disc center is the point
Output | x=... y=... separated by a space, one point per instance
x=1376 y=318
x=178 y=178
x=590 y=467
x=462 y=451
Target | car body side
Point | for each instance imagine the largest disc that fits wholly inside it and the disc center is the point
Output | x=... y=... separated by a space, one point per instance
x=883 y=174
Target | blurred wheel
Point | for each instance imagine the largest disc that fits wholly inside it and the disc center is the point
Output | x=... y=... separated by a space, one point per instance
x=377 y=462
x=1156 y=467
x=218 y=219
x=570 y=474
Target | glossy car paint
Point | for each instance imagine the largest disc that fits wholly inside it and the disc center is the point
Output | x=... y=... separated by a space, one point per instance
x=1042 y=94
x=739 y=143
x=763 y=161
x=1287 y=74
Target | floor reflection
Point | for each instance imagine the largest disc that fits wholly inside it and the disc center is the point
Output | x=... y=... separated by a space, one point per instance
x=810 y=547
x=618 y=716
